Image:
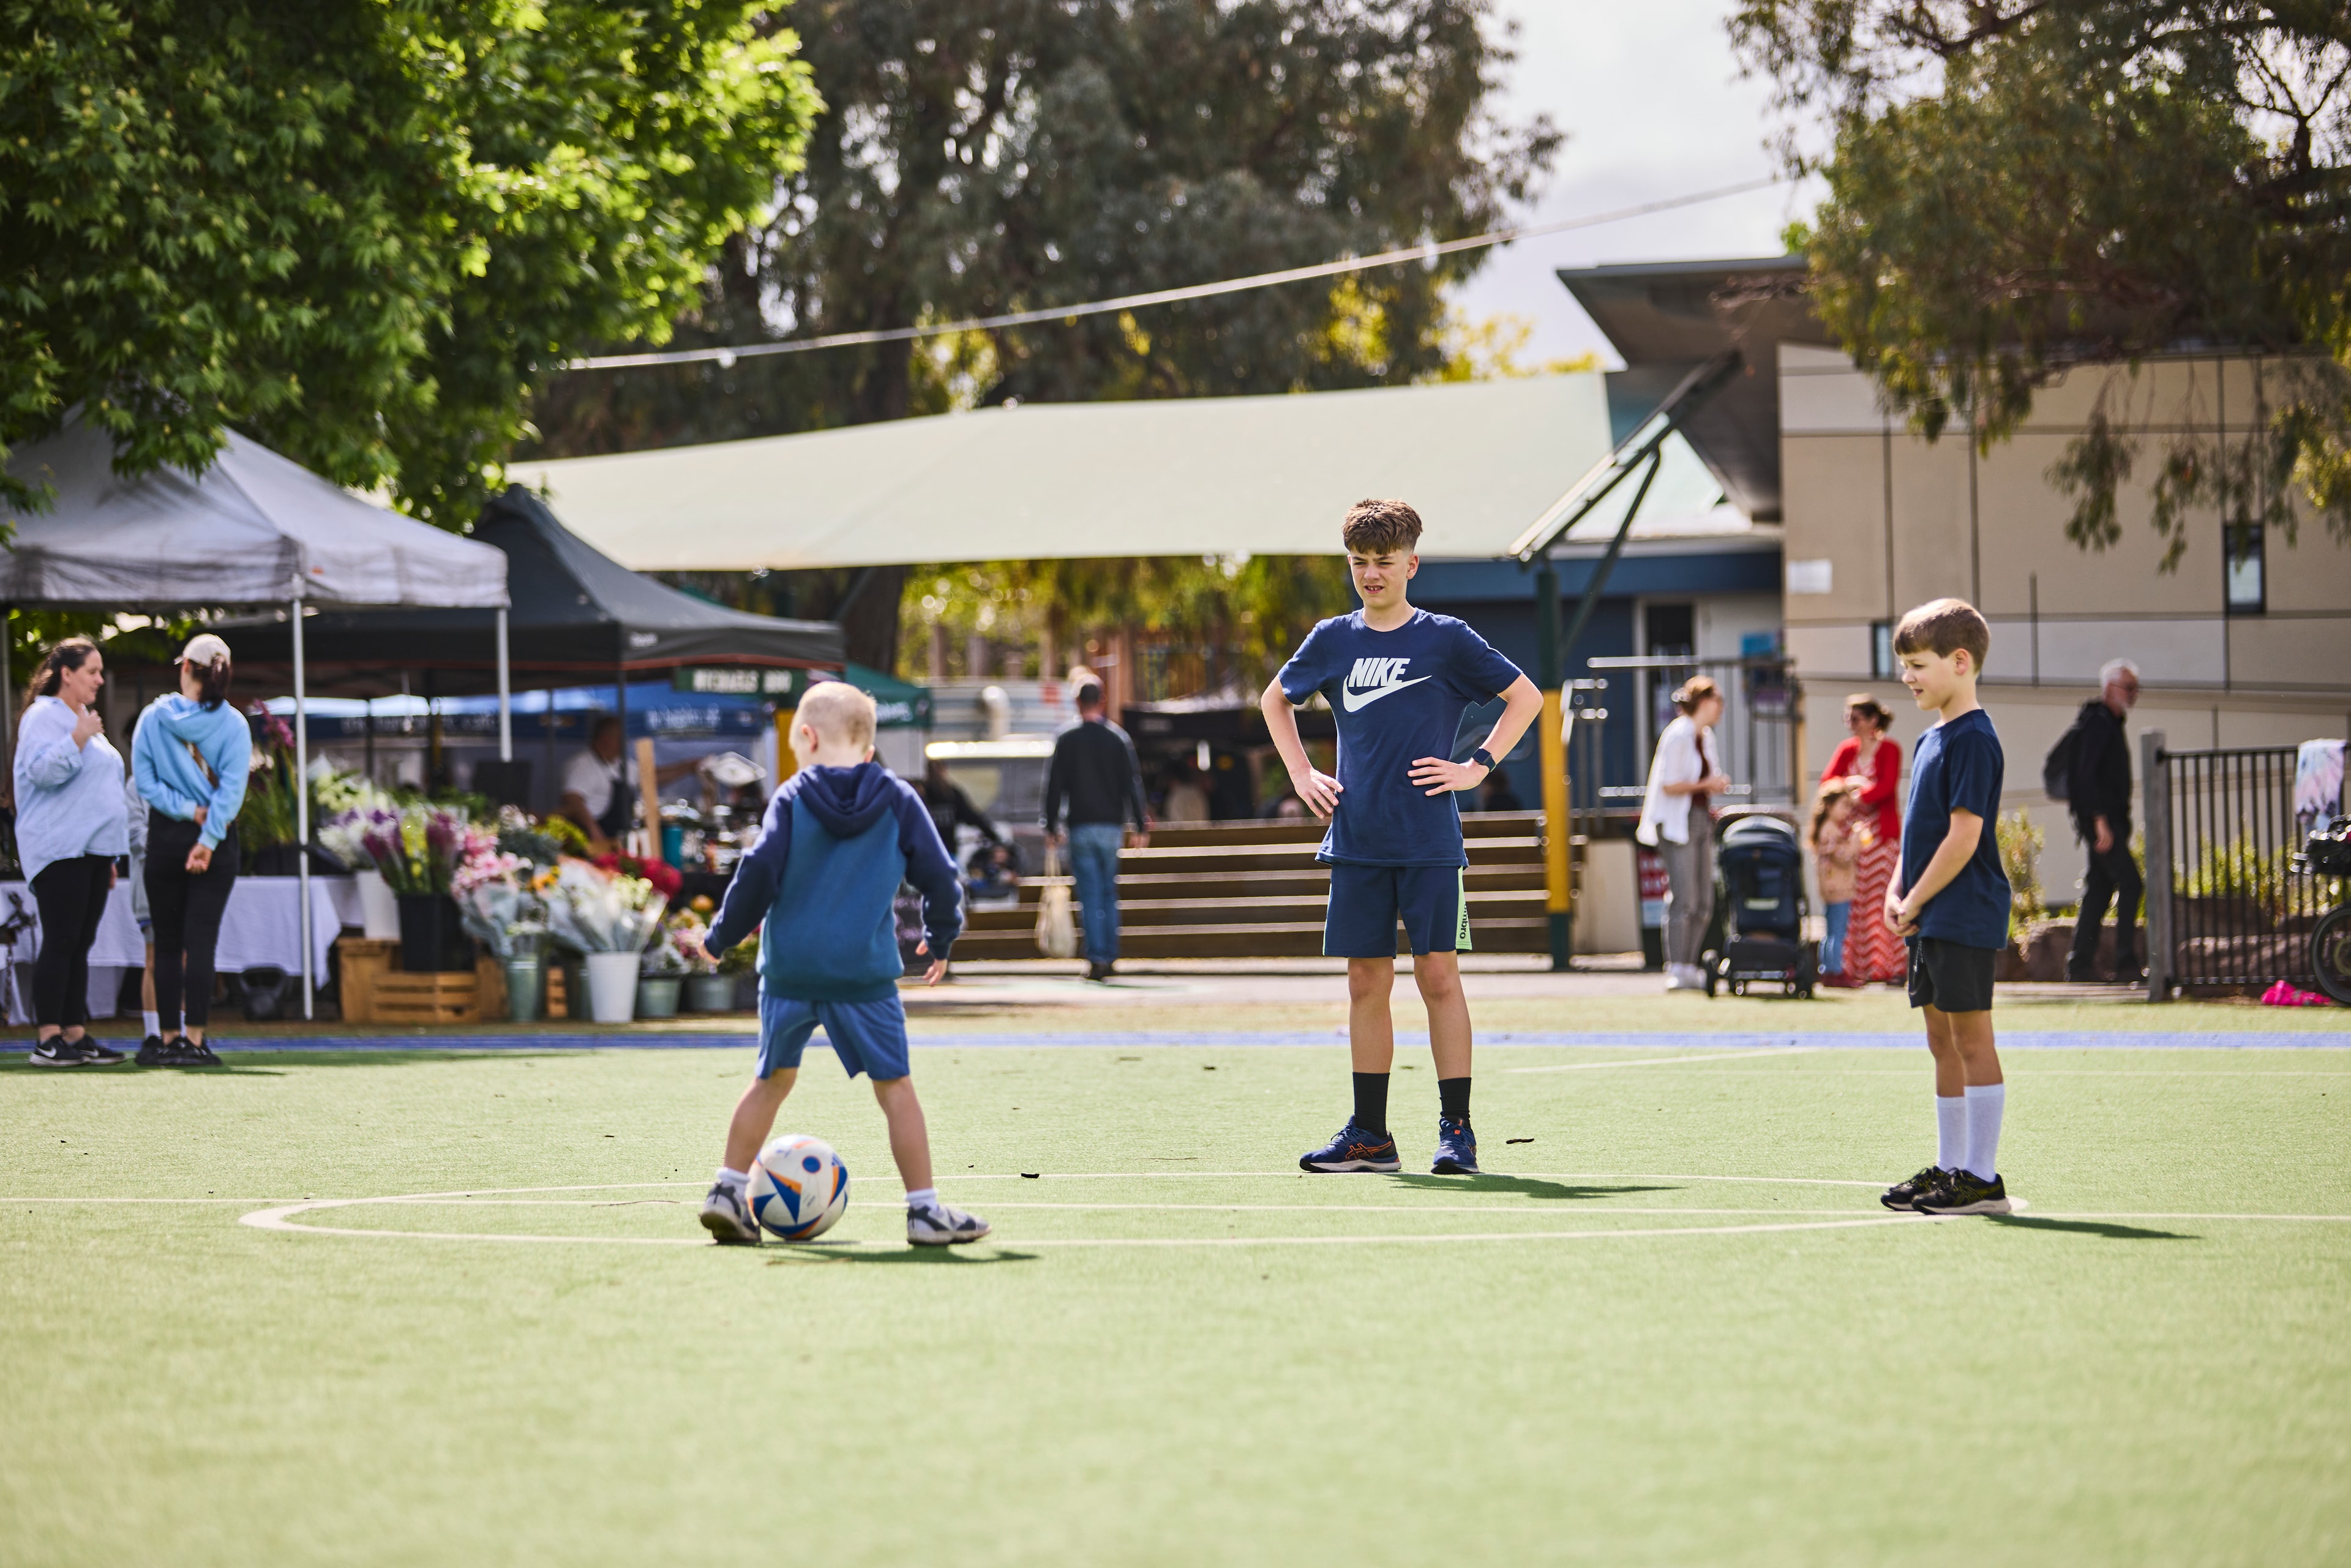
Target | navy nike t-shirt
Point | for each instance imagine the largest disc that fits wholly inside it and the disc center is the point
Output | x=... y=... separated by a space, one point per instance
x=1398 y=696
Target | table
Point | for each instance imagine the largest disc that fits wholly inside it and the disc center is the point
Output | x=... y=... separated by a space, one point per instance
x=261 y=925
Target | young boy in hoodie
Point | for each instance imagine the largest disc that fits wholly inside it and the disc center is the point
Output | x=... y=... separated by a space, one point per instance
x=839 y=837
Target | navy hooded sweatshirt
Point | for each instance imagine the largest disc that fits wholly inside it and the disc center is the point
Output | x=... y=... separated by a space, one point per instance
x=824 y=875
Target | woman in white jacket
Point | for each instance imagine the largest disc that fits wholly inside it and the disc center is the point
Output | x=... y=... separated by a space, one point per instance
x=1678 y=818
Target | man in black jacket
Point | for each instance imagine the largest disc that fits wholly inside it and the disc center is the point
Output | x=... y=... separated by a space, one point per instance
x=1094 y=771
x=2099 y=797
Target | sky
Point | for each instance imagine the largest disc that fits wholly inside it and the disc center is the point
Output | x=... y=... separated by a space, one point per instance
x=1652 y=104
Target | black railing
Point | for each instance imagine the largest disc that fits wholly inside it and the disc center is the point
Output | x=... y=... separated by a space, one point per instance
x=2227 y=907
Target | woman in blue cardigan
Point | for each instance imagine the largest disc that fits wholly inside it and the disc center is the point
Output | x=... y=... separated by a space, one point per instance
x=190 y=756
x=69 y=827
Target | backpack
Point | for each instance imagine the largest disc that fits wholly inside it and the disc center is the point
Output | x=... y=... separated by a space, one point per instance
x=2057 y=769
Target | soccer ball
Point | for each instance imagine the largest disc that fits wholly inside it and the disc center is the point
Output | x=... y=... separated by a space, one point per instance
x=798 y=1187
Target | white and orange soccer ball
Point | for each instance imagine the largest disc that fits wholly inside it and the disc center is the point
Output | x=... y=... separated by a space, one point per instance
x=799 y=1188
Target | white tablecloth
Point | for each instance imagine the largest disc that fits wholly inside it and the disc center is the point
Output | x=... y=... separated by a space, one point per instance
x=262 y=924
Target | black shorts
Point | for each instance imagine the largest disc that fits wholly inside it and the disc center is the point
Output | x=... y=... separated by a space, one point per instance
x=1950 y=976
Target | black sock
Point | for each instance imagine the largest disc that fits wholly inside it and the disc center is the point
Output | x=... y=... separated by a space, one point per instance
x=1372 y=1101
x=1453 y=1097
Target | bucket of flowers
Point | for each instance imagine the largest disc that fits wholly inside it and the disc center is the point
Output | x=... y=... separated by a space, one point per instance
x=609 y=919
x=417 y=849
x=706 y=990
x=497 y=896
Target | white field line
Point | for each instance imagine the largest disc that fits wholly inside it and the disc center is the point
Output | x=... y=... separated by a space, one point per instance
x=1673 y=1060
x=1399 y=1209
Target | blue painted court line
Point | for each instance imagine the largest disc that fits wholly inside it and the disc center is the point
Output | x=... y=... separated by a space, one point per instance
x=2022 y=1040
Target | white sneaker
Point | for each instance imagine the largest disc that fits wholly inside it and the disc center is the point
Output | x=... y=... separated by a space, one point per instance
x=727 y=1215
x=1673 y=981
x=936 y=1225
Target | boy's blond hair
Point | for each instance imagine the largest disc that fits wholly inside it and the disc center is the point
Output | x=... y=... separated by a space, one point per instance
x=1944 y=627
x=838 y=712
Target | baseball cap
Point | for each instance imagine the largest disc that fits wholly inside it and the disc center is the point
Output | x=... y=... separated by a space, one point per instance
x=205 y=649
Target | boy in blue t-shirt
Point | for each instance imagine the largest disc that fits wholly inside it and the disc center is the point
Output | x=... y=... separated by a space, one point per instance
x=837 y=840
x=1952 y=901
x=1397 y=680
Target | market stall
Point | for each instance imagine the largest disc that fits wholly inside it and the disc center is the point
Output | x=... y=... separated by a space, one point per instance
x=253 y=530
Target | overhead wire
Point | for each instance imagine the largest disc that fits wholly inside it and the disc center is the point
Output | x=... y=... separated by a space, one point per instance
x=727 y=355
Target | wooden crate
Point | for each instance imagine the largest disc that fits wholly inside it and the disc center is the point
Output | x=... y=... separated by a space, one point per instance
x=375 y=990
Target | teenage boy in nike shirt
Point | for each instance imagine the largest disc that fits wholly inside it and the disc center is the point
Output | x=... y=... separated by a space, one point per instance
x=1397 y=679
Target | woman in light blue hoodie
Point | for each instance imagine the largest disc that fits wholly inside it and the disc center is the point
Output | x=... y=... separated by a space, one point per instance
x=190 y=757
x=69 y=827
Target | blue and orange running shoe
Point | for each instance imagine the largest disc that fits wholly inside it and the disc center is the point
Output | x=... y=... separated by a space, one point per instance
x=1457 y=1147
x=1354 y=1150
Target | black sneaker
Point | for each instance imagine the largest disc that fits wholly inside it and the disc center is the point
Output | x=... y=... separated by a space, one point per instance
x=1964 y=1192
x=153 y=1052
x=103 y=1054
x=56 y=1052
x=1905 y=1195
x=196 y=1053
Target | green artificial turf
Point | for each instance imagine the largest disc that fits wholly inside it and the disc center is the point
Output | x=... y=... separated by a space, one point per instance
x=2115 y=1378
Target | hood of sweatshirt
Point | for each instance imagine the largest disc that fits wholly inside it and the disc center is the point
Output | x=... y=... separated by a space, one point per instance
x=845 y=800
x=183 y=717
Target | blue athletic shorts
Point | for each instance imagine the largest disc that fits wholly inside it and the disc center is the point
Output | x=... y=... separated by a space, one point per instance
x=868 y=1037
x=1366 y=901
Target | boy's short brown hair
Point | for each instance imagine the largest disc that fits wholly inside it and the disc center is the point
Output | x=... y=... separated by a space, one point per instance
x=1944 y=627
x=1378 y=528
x=838 y=711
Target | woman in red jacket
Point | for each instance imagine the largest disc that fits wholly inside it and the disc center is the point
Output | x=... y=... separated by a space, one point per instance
x=1868 y=764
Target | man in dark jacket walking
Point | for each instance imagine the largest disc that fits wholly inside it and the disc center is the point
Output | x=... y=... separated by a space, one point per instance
x=2099 y=797
x=1094 y=771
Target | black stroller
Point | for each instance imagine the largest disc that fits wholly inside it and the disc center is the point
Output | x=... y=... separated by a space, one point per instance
x=1762 y=867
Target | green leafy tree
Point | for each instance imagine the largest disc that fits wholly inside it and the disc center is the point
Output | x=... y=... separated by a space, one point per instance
x=981 y=157
x=362 y=233
x=2020 y=187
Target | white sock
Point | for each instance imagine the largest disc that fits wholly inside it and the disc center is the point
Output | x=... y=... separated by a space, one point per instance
x=151 y=1024
x=923 y=1197
x=1950 y=1131
x=733 y=1178
x=1985 y=1102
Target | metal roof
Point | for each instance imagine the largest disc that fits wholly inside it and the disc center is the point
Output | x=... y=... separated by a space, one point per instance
x=1228 y=475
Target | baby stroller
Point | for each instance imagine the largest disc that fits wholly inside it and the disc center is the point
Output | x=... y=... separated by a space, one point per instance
x=1762 y=867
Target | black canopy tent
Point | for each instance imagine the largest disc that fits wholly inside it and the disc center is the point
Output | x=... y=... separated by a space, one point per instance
x=578 y=618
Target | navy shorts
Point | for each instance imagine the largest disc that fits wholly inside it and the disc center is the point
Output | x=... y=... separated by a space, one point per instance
x=1951 y=976
x=868 y=1037
x=1367 y=901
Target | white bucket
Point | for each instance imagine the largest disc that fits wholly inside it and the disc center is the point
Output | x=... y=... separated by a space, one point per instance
x=378 y=907
x=612 y=987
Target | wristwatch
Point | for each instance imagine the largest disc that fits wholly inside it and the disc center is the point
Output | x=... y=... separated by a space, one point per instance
x=1483 y=759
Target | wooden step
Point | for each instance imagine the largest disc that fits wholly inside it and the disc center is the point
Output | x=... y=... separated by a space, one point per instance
x=1240 y=911
x=1289 y=939
x=1315 y=882
x=1201 y=835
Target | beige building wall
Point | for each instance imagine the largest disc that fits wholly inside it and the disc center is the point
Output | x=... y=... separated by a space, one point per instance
x=1878 y=520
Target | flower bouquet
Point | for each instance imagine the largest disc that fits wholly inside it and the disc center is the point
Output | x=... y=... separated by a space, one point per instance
x=417 y=847
x=499 y=900
x=592 y=910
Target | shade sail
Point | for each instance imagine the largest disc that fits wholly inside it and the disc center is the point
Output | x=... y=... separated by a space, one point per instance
x=253 y=529
x=575 y=612
x=1225 y=476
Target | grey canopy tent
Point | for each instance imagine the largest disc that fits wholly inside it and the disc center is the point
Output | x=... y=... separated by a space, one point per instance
x=578 y=616
x=253 y=530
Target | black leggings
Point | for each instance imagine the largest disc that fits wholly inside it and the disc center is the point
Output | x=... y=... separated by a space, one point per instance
x=72 y=898
x=186 y=908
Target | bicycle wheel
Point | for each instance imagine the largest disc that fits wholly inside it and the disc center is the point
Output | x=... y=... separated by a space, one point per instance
x=2330 y=954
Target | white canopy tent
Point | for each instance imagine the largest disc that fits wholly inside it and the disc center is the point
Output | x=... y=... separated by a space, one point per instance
x=1226 y=476
x=254 y=529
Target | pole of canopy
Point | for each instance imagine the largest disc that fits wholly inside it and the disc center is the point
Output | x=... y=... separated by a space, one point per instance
x=302 y=806
x=505 y=695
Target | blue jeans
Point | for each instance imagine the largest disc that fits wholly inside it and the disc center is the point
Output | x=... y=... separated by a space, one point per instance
x=1093 y=865
x=1833 y=948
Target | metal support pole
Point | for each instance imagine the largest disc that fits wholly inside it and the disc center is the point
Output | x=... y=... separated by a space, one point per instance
x=1551 y=750
x=302 y=807
x=2155 y=786
x=505 y=695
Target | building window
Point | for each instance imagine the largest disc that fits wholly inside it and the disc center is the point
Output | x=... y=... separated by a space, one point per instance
x=1881 y=651
x=2248 y=584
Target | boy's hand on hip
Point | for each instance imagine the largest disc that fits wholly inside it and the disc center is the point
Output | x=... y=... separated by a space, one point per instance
x=1436 y=776
x=1319 y=790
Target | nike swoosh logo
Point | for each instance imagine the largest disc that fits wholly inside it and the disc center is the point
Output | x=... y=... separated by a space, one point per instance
x=1359 y=700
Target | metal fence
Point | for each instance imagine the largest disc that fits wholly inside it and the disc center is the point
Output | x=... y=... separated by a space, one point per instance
x=2226 y=907
x=1760 y=734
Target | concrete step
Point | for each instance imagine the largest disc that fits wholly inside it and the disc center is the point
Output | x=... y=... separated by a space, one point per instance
x=1244 y=913
x=1312 y=881
x=1201 y=835
x=1288 y=939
